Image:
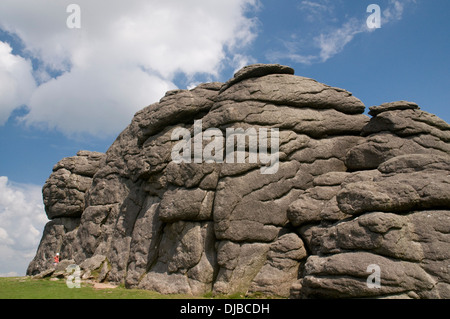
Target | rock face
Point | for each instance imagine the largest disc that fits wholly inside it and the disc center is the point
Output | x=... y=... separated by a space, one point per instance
x=353 y=198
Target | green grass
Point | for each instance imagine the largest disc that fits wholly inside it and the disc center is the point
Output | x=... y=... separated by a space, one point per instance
x=28 y=288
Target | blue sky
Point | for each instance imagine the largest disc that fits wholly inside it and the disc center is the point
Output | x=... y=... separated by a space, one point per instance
x=65 y=89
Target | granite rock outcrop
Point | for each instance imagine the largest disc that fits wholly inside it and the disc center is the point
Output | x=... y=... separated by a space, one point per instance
x=350 y=191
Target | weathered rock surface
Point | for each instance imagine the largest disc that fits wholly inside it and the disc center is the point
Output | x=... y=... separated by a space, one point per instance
x=65 y=188
x=349 y=192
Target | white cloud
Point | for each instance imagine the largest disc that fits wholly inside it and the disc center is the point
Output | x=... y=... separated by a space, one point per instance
x=125 y=56
x=99 y=100
x=315 y=11
x=333 y=41
x=394 y=10
x=22 y=219
x=16 y=81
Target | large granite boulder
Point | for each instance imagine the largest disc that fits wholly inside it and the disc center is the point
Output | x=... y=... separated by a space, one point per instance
x=315 y=199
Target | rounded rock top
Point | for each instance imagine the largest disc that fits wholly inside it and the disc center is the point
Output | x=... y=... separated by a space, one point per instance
x=255 y=71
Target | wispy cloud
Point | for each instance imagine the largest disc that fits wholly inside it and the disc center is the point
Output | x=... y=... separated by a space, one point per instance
x=315 y=10
x=332 y=43
x=329 y=41
x=395 y=9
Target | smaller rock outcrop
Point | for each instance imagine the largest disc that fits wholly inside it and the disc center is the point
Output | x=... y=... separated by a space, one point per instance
x=392 y=212
x=64 y=199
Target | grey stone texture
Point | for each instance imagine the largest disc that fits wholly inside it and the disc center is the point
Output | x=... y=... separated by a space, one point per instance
x=350 y=191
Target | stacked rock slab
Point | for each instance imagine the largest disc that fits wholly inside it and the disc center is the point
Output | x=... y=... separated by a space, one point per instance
x=350 y=191
x=391 y=209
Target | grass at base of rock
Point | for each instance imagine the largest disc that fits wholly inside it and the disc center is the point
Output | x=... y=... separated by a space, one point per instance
x=30 y=288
